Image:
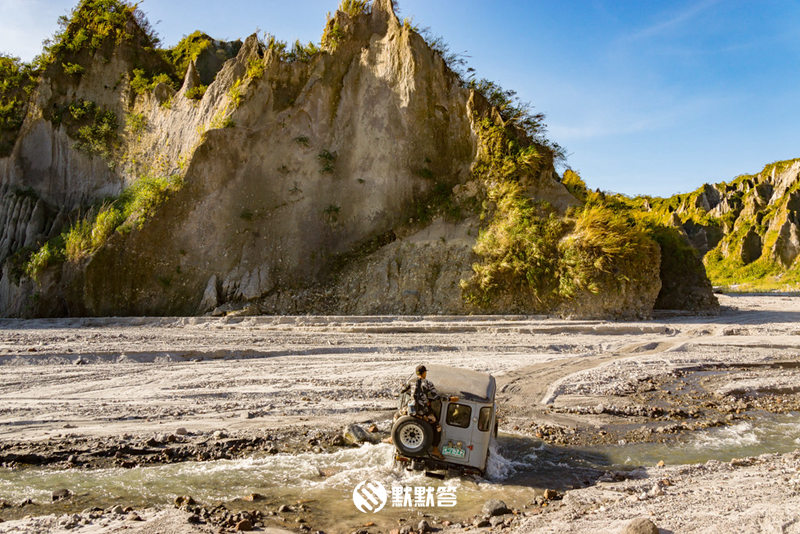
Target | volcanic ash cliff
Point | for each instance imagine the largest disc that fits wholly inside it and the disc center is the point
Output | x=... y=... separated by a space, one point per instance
x=340 y=180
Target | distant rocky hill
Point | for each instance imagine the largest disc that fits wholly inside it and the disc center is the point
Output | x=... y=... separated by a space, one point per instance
x=359 y=176
x=747 y=230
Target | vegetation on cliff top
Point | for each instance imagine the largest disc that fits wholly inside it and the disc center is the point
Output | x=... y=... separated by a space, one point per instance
x=93 y=25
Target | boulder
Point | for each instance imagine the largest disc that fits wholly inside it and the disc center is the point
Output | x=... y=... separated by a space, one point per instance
x=356 y=435
x=243 y=526
x=640 y=526
x=184 y=500
x=550 y=494
x=495 y=507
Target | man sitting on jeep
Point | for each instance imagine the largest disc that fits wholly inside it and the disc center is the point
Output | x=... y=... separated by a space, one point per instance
x=422 y=393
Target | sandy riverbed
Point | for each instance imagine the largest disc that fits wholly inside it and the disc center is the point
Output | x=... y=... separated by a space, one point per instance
x=71 y=386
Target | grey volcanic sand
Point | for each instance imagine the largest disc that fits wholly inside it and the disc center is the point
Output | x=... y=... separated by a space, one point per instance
x=250 y=375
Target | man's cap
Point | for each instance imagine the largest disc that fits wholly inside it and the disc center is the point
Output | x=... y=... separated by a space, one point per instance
x=421 y=369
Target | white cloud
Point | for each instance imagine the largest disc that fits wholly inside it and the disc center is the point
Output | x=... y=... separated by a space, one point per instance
x=672 y=21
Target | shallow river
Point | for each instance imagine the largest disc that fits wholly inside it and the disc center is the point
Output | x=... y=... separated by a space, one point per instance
x=518 y=468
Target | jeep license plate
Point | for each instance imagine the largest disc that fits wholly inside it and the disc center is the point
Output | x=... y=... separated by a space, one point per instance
x=452 y=451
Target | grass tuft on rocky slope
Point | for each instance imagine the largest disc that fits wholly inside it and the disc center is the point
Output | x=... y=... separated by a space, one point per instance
x=129 y=211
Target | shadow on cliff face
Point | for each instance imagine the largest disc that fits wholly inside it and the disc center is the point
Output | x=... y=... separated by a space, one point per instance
x=684 y=284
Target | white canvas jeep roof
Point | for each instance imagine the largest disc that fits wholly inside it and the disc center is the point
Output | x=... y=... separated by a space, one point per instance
x=466 y=383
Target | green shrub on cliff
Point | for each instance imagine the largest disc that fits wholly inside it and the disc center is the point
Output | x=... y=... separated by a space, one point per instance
x=533 y=258
x=763 y=274
x=16 y=84
x=78 y=241
x=51 y=253
x=605 y=250
x=537 y=258
x=140 y=201
x=301 y=52
x=187 y=50
x=333 y=34
x=130 y=210
x=141 y=83
x=354 y=8
x=109 y=218
x=575 y=185
x=196 y=93
x=518 y=249
x=522 y=126
x=255 y=68
x=95 y=128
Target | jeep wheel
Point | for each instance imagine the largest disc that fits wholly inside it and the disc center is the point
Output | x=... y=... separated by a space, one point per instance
x=412 y=436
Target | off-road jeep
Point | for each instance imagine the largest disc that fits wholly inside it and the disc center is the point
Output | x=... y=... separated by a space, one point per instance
x=468 y=425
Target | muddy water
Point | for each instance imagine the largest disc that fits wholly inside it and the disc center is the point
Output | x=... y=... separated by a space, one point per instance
x=324 y=483
x=518 y=468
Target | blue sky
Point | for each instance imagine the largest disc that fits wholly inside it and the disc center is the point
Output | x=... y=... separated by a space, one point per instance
x=647 y=97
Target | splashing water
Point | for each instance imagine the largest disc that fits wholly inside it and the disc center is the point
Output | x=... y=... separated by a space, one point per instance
x=500 y=468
